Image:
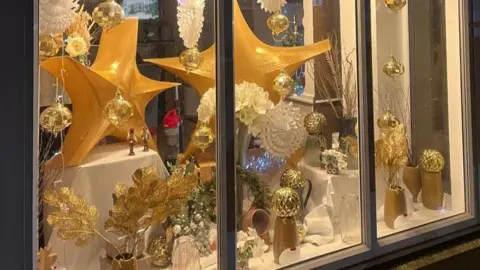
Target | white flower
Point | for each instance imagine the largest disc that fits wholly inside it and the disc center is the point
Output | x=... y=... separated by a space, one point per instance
x=76 y=46
x=242 y=236
x=201 y=224
x=177 y=229
x=193 y=225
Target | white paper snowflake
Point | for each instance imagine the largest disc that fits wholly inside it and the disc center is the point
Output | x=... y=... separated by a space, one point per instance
x=272 y=5
x=56 y=15
x=282 y=131
x=190 y=21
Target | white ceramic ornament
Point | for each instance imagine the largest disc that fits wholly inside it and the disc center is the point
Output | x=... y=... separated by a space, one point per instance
x=282 y=131
x=55 y=16
x=190 y=21
x=272 y=5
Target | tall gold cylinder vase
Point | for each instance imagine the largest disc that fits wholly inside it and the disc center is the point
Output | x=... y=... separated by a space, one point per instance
x=413 y=181
x=432 y=190
x=394 y=206
x=285 y=236
x=124 y=262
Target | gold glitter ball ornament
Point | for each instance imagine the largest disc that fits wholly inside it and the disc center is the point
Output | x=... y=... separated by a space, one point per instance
x=283 y=84
x=293 y=179
x=108 y=14
x=387 y=121
x=278 y=23
x=48 y=46
x=118 y=110
x=191 y=59
x=286 y=202
x=393 y=68
x=395 y=5
x=432 y=161
x=159 y=252
x=203 y=137
x=55 y=118
x=314 y=122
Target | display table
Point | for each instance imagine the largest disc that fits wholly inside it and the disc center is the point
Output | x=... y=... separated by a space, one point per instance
x=96 y=179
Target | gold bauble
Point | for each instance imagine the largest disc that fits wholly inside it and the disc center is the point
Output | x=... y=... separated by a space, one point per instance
x=118 y=110
x=387 y=121
x=203 y=137
x=278 y=23
x=395 y=5
x=314 y=122
x=48 y=46
x=293 y=179
x=159 y=252
x=55 y=118
x=432 y=161
x=286 y=202
x=283 y=84
x=191 y=59
x=108 y=14
x=393 y=68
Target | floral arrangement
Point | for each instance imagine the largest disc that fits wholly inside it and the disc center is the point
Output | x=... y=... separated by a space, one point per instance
x=251 y=101
x=195 y=225
x=148 y=202
x=334 y=161
x=249 y=245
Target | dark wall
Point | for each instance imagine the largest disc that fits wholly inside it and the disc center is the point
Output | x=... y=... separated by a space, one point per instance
x=16 y=118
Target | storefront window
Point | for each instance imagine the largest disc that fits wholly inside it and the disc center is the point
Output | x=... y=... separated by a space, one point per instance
x=335 y=125
x=419 y=133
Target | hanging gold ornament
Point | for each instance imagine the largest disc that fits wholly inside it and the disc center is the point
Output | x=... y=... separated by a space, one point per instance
x=203 y=137
x=283 y=84
x=395 y=5
x=286 y=202
x=293 y=179
x=387 y=121
x=118 y=110
x=314 y=122
x=108 y=14
x=393 y=68
x=55 y=118
x=191 y=59
x=48 y=46
x=278 y=23
x=432 y=161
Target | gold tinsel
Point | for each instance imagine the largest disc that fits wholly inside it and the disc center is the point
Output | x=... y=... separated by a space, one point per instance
x=391 y=151
x=149 y=201
x=81 y=26
x=293 y=179
x=286 y=202
x=432 y=161
x=73 y=218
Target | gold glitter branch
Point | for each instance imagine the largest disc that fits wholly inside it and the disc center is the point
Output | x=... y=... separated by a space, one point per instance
x=391 y=152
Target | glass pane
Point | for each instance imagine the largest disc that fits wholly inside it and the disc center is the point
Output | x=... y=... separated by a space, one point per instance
x=418 y=111
x=123 y=175
x=296 y=116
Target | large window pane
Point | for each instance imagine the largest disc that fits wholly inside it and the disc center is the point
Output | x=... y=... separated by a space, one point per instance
x=418 y=110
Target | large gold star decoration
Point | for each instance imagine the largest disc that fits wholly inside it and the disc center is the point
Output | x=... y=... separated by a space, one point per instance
x=254 y=62
x=91 y=88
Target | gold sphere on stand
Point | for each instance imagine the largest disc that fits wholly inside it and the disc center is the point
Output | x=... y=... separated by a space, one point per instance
x=191 y=59
x=293 y=178
x=286 y=202
x=432 y=161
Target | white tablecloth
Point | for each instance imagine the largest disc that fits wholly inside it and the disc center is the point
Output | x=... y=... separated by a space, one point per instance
x=105 y=166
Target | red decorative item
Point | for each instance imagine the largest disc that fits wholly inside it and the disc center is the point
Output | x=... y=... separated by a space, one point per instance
x=171 y=119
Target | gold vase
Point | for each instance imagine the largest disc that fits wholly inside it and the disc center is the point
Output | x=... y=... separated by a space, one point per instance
x=284 y=237
x=432 y=190
x=413 y=181
x=394 y=205
x=124 y=262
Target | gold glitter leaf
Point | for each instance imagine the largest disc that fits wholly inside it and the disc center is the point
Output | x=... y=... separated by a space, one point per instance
x=391 y=151
x=73 y=218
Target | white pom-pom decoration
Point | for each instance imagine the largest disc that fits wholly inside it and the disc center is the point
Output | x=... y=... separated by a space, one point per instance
x=272 y=5
x=56 y=15
x=190 y=21
x=282 y=131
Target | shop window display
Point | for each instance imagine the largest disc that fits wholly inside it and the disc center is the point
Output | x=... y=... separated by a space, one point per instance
x=128 y=104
